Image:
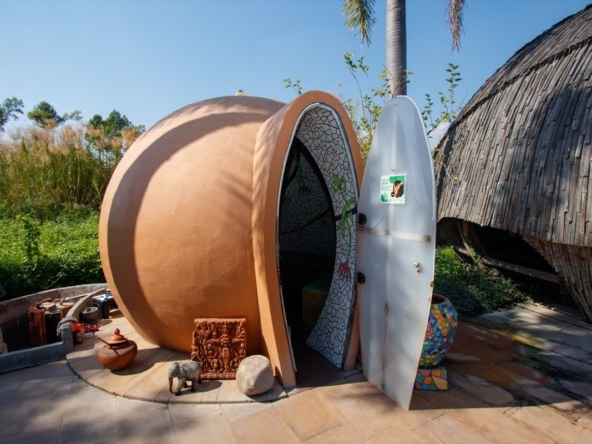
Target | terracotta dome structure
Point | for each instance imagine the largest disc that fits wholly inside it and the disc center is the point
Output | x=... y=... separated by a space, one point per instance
x=518 y=156
x=222 y=201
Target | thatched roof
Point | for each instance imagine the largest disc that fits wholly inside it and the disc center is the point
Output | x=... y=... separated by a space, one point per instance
x=518 y=156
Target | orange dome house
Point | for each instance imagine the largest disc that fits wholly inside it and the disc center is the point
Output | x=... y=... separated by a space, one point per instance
x=237 y=207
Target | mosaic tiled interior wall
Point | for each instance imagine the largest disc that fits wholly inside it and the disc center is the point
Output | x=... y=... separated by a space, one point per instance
x=306 y=223
x=321 y=134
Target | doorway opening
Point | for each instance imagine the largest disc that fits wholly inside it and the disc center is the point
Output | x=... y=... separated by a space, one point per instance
x=307 y=243
x=316 y=225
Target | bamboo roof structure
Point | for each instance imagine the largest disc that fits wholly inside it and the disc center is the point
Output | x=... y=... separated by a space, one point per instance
x=518 y=156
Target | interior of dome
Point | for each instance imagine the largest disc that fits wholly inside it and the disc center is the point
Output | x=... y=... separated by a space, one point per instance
x=306 y=243
x=316 y=239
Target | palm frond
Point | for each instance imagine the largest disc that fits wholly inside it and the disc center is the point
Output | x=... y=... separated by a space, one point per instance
x=359 y=17
x=455 y=20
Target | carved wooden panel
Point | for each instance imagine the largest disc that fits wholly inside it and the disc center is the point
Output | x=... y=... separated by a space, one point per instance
x=219 y=345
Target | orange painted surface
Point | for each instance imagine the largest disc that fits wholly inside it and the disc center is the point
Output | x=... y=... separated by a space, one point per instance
x=175 y=226
x=187 y=227
x=273 y=144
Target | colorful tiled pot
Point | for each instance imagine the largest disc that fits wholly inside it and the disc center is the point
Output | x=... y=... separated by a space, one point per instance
x=440 y=332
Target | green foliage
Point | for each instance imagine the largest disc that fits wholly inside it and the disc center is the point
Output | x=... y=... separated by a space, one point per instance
x=75 y=116
x=448 y=111
x=295 y=85
x=44 y=115
x=473 y=290
x=364 y=114
x=113 y=125
x=9 y=110
x=48 y=171
x=52 y=182
x=39 y=255
x=365 y=111
x=112 y=135
x=31 y=237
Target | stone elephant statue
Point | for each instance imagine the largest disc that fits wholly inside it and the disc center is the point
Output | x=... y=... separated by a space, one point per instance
x=184 y=371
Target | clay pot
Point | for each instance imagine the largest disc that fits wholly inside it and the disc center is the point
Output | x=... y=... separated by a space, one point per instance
x=90 y=315
x=118 y=352
x=440 y=331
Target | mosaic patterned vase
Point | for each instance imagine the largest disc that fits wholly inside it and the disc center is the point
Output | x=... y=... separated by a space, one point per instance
x=440 y=332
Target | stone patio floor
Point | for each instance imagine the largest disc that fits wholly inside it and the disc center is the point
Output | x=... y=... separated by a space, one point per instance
x=520 y=375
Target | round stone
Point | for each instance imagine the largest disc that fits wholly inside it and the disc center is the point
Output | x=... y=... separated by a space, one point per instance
x=254 y=375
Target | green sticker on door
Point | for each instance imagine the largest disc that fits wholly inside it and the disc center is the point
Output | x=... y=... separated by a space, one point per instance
x=392 y=189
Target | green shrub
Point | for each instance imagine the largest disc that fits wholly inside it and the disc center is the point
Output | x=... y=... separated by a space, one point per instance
x=471 y=289
x=36 y=256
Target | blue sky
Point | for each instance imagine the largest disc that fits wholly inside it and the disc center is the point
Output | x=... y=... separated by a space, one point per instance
x=148 y=58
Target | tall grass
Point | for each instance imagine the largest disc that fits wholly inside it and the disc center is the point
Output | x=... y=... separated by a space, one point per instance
x=44 y=172
x=52 y=182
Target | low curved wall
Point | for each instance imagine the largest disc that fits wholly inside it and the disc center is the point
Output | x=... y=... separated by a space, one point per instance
x=18 y=307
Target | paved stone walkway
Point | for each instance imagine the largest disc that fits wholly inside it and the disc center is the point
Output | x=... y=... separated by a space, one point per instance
x=521 y=375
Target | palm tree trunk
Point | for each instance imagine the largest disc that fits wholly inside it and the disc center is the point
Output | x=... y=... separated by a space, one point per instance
x=396 y=46
x=359 y=16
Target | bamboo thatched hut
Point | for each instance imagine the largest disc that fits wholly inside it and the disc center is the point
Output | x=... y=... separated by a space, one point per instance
x=518 y=157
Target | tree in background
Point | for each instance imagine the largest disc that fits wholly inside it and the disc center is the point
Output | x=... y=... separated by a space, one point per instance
x=359 y=17
x=45 y=116
x=9 y=110
x=115 y=134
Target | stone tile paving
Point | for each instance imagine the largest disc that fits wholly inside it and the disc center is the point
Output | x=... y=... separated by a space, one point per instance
x=555 y=367
x=506 y=385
